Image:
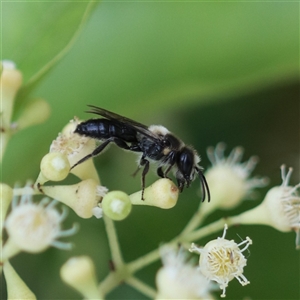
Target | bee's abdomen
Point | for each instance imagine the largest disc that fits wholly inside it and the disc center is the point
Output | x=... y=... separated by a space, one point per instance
x=103 y=129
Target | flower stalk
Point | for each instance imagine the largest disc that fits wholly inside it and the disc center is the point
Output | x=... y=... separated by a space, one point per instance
x=16 y=287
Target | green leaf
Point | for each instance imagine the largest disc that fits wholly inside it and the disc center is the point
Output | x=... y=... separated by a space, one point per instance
x=176 y=53
x=37 y=35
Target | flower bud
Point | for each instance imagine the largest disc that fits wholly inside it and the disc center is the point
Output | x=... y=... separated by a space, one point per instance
x=116 y=205
x=79 y=273
x=54 y=166
x=35 y=112
x=16 y=287
x=81 y=197
x=10 y=82
x=163 y=193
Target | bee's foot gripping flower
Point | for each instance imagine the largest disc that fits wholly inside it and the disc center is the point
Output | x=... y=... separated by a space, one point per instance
x=75 y=147
x=222 y=260
x=34 y=227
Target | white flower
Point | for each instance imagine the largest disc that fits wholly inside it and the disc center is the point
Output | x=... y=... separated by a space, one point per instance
x=222 y=260
x=179 y=279
x=34 y=227
x=280 y=208
x=228 y=178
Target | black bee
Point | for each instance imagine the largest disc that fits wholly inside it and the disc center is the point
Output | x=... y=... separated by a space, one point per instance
x=155 y=143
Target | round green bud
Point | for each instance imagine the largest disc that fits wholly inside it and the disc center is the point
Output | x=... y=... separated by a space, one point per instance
x=116 y=205
x=55 y=166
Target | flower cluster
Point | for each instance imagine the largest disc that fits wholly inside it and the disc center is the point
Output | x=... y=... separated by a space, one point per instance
x=33 y=226
x=55 y=166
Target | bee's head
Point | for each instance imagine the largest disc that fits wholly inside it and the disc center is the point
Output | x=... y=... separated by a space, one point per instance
x=187 y=166
x=186 y=163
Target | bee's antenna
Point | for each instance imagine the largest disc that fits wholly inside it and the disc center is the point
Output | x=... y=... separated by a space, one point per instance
x=204 y=185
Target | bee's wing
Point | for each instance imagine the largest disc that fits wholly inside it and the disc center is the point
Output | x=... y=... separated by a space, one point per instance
x=141 y=128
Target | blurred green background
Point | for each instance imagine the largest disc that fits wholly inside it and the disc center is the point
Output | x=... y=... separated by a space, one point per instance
x=208 y=71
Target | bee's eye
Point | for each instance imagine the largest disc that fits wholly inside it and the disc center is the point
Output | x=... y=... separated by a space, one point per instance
x=166 y=143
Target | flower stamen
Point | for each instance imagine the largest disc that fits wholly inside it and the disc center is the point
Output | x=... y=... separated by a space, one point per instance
x=222 y=260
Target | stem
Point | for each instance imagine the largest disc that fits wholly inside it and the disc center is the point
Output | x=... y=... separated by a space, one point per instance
x=111 y=281
x=143 y=261
x=154 y=255
x=119 y=273
x=113 y=243
x=142 y=287
x=123 y=272
x=9 y=250
x=3 y=143
x=193 y=223
x=207 y=230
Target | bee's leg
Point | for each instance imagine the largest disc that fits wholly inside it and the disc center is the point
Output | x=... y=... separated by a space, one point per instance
x=160 y=172
x=135 y=148
x=168 y=170
x=136 y=171
x=163 y=174
x=171 y=162
x=180 y=184
x=144 y=162
x=101 y=147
